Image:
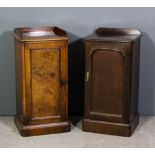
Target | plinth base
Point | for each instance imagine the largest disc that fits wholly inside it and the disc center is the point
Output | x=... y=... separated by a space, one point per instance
x=110 y=128
x=41 y=129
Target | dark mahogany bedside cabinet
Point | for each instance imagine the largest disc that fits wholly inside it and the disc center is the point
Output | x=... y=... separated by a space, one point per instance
x=41 y=80
x=112 y=80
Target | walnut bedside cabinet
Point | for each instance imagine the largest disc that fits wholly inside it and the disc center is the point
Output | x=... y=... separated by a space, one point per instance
x=112 y=81
x=41 y=80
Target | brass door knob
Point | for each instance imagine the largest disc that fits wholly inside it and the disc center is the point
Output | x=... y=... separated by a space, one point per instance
x=87 y=76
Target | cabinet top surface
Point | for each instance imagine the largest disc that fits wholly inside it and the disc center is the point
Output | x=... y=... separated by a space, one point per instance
x=39 y=33
x=114 y=35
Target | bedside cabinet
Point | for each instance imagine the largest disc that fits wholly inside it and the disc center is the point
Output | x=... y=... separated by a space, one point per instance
x=112 y=80
x=41 y=80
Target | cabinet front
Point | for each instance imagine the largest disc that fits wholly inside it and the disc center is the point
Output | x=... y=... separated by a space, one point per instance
x=45 y=82
x=105 y=86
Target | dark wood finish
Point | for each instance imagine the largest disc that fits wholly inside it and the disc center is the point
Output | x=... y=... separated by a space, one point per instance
x=41 y=80
x=112 y=79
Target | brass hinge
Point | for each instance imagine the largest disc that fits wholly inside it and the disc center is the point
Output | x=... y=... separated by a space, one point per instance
x=87 y=76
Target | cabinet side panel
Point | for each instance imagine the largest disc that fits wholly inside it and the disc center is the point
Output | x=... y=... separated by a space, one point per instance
x=135 y=79
x=107 y=82
x=45 y=82
x=19 y=88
